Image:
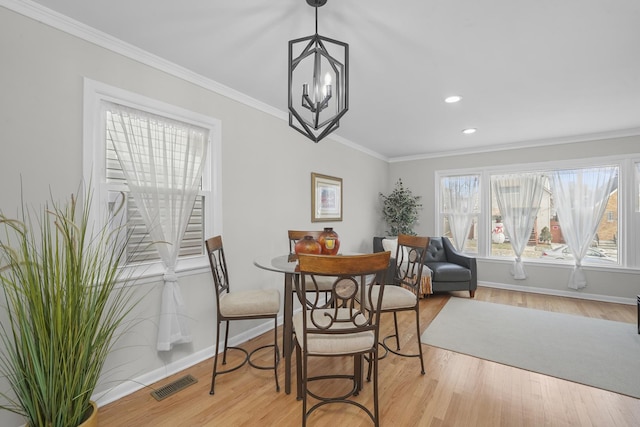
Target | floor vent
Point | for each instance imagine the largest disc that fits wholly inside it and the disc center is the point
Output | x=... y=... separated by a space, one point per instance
x=173 y=387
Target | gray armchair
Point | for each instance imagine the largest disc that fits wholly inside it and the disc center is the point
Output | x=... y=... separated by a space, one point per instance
x=452 y=271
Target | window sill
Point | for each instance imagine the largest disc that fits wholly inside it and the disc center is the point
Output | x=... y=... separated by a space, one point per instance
x=562 y=265
x=153 y=272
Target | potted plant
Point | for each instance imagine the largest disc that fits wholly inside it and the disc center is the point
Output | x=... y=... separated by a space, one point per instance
x=65 y=306
x=400 y=210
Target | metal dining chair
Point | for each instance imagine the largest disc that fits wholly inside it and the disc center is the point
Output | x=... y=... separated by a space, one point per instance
x=409 y=265
x=343 y=329
x=242 y=305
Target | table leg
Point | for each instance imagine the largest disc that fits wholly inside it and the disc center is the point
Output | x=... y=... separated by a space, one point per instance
x=287 y=330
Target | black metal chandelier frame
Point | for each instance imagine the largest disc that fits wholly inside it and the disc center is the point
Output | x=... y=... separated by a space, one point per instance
x=316 y=48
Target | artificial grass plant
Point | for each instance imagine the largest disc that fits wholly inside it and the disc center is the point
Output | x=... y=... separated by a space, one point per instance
x=65 y=305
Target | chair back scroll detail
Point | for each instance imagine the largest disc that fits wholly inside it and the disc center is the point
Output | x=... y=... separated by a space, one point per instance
x=352 y=275
x=410 y=256
x=215 y=251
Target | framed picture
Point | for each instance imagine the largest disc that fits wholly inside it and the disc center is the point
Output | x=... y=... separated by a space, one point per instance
x=326 y=198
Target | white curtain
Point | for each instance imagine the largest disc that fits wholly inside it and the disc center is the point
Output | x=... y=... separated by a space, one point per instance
x=581 y=197
x=518 y=197
x=162 y=161
x=460 y=205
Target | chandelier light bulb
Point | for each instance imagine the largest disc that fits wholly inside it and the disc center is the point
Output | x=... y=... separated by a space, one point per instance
x=327 y=85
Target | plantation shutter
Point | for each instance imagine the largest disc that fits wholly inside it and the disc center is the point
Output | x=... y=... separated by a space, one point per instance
x=139 y=248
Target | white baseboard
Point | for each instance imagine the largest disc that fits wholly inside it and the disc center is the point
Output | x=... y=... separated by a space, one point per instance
x=560 y=293
x=131 y=386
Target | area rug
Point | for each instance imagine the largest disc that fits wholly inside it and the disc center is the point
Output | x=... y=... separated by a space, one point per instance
x=598 y=353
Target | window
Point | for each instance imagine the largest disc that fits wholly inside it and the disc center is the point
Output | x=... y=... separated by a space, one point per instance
x=170 y=141
x=546 y=241
x=501 y=241
x=459 y=209
x=103 y=166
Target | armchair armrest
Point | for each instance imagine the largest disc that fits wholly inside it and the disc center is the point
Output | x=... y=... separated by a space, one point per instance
x=460 y=259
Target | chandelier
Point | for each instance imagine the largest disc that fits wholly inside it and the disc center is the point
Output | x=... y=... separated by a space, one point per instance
x=315 y=108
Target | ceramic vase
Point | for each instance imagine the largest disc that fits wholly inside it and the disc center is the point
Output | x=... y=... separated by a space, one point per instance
x=308 y=245
x=329 y=241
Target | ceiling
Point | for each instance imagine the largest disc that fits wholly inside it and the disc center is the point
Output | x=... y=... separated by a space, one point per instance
x=529 y=72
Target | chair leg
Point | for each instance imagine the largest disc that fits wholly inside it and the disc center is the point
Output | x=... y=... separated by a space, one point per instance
x=357 y=373
x=397 y=351
x=215 y=359
x=303 y=383
x=376 y=411
x=299 y=390
x=226 y=338
x=419 y=343
x=247 y=355
x=395 y=324
x=276 y=353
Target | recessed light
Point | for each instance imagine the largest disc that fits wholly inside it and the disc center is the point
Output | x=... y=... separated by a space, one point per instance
x=469 y=131
x=452 y=99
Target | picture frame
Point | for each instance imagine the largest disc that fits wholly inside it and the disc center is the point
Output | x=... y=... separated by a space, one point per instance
x=326 y=198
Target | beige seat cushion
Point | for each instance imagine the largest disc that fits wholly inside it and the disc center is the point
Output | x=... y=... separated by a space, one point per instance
x=394 y=297
x=250 y=303
x=322 y=344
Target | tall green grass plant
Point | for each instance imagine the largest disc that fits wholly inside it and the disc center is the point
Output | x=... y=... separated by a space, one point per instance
x=65 y=305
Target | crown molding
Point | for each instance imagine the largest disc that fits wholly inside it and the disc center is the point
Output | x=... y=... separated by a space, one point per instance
x=523 y=144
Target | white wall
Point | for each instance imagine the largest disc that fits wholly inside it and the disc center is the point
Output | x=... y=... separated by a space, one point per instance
x=266 y=175
x=621 y=285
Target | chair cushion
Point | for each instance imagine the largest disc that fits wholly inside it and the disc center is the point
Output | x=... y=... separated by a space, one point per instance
x=395 y=297
x=262 y=302
x=336 y=344
x=448 y=272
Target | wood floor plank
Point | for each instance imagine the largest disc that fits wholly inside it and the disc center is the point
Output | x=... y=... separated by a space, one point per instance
x=457 y=390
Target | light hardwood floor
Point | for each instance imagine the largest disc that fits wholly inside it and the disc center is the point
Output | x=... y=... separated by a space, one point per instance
x=457 y=390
